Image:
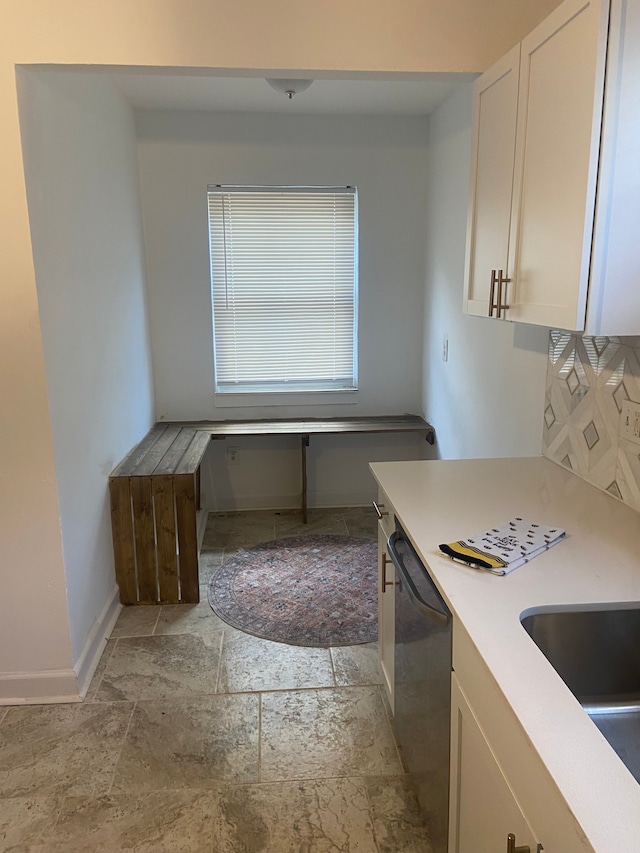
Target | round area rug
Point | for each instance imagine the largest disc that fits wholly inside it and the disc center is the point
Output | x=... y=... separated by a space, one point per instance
x=315 y=590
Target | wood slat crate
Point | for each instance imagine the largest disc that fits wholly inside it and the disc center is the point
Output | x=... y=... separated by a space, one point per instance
x=154 y=495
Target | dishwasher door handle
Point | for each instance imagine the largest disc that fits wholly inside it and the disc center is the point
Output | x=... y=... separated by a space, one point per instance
x=432 y=612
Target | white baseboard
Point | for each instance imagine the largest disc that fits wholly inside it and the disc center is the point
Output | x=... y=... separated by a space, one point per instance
x=96 y=641
x=321 y=500
x=358 y=497
x=250 y=502
x=47 y=687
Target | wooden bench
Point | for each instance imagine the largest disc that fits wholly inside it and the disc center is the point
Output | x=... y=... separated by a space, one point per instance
x=155 y=495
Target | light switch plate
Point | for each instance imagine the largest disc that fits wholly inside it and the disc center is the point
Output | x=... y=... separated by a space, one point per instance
x=630 y=421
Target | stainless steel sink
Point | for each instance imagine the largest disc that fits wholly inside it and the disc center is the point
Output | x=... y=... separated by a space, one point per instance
x=595 y=652
x=597 y=655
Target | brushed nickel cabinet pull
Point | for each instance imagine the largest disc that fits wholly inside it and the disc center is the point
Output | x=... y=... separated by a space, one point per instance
x=379 y=513
x=511 y=845
x=385 y=583
x=502 y=281
x=492 y=293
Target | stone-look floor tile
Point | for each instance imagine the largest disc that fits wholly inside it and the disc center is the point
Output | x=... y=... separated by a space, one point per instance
x=356 y=664
x=208 y=564
x=61 y=749
x=196 y=742
x=190 y=743
x=136 y=621
x=396 y=816
x=314 y=817
x=96 y=681
x=250 y=663
x=198 y=619
x=156 y=822
x=230 y=531
x=160 y=667
x=315 y=734
x=361 y=521
x=327 y=521
x=26 y=822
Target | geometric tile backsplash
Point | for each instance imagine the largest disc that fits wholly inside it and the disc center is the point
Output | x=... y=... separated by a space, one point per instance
x=588 y=380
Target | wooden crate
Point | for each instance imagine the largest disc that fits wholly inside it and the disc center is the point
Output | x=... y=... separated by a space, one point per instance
x=154 y=499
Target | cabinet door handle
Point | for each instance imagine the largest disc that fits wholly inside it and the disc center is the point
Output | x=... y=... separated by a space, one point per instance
x=502 y=280
x=511 y=845
x=385 y=583
x=379 y=512
x=492 y=293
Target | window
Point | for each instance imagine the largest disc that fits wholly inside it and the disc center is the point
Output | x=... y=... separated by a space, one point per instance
x=284 y=288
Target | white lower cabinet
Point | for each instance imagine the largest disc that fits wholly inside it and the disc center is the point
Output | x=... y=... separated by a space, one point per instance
x=483 y=808
x=386 y=615
x=499 y=784
x=386 y=602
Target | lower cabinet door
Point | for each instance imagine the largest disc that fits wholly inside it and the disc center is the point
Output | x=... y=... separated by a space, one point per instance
x=386 y=613
x=483 y=808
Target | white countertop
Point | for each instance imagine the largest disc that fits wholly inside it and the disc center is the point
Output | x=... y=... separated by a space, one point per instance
x=599 y=561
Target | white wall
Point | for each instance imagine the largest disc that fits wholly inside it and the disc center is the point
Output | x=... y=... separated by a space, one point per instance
x=181 y=152
x=81 y=170
x=488 y=398
x=386 y=158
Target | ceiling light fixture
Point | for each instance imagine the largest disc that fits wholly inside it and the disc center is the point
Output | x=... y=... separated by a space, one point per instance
x=289 y=87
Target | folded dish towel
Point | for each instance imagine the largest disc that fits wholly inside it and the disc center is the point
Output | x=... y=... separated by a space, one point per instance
x=502 y=549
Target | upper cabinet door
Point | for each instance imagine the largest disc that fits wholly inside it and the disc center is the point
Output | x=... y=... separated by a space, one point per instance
x=494 y=141
x=561 y=88
x=614 y=290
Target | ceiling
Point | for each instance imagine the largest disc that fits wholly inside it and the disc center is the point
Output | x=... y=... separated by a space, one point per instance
x=147 y=91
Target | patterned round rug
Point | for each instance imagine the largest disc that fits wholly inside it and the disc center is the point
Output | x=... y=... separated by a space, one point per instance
x=315 y=590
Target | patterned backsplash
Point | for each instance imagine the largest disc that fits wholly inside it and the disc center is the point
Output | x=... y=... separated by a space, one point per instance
x=588 y=381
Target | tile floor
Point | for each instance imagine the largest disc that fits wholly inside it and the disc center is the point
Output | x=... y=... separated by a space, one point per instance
x=195 y=736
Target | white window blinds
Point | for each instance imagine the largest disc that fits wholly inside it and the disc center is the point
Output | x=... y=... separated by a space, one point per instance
x=284 y=292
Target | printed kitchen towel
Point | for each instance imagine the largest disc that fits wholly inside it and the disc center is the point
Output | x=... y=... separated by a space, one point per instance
x=505 y=548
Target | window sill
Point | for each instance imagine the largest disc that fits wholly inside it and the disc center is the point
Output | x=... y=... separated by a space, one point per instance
x=293 y=398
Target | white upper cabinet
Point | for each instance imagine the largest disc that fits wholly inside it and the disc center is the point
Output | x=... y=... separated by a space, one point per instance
x=557 y=140
x=494 y=126
x=614 y=298
x=552 y=167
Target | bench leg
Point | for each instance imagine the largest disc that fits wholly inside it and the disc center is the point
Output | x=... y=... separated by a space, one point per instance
x=304 y=445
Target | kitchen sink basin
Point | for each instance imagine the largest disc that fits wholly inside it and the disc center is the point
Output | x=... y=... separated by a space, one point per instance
x=595 y=652
x=597 y=655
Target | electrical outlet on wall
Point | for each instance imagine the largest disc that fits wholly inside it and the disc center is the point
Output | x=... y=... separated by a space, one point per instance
x=630 y=421
x=233 y=456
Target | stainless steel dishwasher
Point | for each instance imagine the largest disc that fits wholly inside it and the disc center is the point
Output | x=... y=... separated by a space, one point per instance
x=422 y=718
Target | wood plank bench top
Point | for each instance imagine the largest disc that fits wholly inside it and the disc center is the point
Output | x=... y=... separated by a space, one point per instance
x=177 y=447
x=168 y=448
x=314 y=426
